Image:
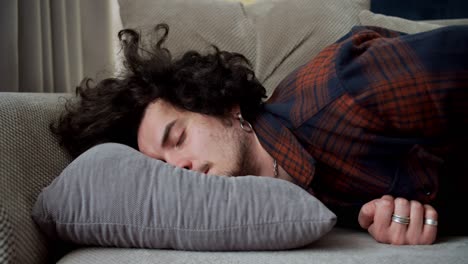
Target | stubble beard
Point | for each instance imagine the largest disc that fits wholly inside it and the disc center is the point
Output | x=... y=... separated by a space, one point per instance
x=245 y=163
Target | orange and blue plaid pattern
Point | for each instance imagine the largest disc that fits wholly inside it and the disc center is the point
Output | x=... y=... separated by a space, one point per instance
x=375 y=113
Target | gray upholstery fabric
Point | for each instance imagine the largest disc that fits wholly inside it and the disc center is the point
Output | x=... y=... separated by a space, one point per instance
x=30 y=158
x=448 y=22
x=276 y=36
x=6 y=239
x=113 y=195
x=340 y=246
x=367 y=18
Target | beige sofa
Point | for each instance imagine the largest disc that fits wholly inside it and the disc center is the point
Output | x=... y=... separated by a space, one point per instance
x=30 y=159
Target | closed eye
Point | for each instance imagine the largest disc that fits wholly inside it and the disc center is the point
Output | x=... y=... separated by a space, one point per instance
x=181 y=139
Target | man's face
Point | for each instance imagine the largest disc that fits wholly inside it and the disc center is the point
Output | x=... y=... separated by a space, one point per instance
x=196 y=142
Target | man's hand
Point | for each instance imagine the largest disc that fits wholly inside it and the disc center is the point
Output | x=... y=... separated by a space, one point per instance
x=376 y=217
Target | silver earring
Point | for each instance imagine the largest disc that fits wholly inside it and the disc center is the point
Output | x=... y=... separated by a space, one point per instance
x=243 y=123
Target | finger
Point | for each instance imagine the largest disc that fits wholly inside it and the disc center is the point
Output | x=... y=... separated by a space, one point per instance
x=402 y=209
x=366 y=214
x=382 y=220
x=388 y=197
x=429 y=233
x=415 y=228
x=384 y=211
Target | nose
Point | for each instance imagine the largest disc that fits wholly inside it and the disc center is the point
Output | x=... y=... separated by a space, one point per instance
x=180 y=162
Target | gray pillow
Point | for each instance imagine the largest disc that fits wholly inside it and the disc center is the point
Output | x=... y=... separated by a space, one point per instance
x=112 y=195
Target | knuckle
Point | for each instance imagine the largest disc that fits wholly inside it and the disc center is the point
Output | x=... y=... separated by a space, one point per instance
x=397 y=241
x=401 y=202
x=413 y=241
x=378 y=234
x=380 y=238
x=366 y=210
x=431 y=211
x=385 y=204
x=415 y=205
x=414 y=238
x=427 y=241
x=428 y=238
x=388 y=197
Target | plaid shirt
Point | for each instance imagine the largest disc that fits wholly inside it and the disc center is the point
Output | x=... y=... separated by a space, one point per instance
x=375 y=113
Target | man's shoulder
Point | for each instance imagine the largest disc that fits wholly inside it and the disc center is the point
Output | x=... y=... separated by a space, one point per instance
x=307 y=89
x=358 y=32
x=323 y=79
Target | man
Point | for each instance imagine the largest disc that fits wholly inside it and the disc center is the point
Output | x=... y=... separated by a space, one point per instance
x=375 y=125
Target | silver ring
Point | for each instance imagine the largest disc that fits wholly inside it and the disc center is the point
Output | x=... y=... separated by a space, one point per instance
x=429 y=221
x=400 y=219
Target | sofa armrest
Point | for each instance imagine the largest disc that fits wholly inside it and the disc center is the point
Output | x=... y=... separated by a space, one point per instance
x=30 y=159
x=6 y=238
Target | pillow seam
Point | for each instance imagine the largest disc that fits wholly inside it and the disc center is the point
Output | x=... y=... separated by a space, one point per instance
x=200 y=230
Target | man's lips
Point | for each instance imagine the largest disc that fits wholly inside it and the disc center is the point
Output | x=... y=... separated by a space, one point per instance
x=205 y=169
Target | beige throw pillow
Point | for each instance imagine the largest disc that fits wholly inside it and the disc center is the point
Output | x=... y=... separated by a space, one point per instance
x=367 y=18
x=277 y=36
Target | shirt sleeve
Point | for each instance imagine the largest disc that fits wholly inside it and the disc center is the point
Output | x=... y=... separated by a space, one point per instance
x=416 y=85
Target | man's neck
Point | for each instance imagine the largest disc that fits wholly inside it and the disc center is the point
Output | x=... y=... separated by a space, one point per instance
x=266 y=162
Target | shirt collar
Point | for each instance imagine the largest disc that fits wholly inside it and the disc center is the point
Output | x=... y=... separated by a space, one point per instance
x=278 y=140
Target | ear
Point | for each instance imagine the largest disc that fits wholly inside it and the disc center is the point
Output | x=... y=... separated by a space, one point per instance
x=235 y=111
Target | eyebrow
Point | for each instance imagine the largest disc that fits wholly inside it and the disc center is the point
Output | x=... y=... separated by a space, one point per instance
x=167 y=132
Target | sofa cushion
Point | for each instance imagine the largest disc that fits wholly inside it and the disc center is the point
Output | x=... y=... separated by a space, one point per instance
x=6 y=238
x=276 y=36
x=113 y=195
x=340 y=246
x=368 y=18
x=30 y=158
x=448 y=22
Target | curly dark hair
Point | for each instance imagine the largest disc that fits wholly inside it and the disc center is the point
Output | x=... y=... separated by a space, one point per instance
x=112 y=110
